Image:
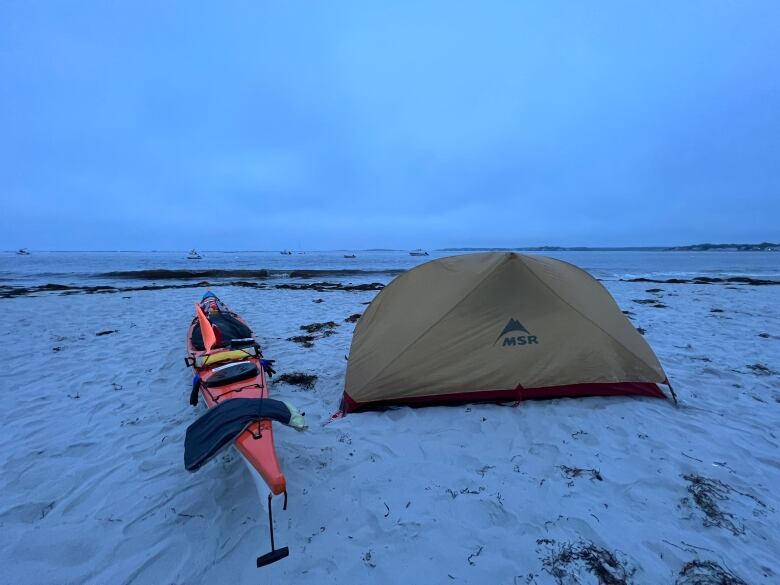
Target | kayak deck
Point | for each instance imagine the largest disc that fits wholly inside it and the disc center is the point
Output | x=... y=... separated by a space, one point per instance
x=256 y=443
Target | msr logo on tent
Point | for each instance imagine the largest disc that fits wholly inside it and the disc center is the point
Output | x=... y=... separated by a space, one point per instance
x=511 y=327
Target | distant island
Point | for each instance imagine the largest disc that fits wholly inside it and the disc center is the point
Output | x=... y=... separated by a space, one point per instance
x=762 y=247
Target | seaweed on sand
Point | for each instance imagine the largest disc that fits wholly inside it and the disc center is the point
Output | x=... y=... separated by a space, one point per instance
x=708 y=494
x=318 y=327
x=706 y=573
x=301 y=379
x=572 y=472
x=566 y=561
x=305 y=340
x=761 y=370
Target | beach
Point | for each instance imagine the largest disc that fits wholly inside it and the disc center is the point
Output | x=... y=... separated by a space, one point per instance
x=93 y=487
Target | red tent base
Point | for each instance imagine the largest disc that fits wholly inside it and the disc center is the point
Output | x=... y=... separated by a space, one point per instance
x=571 y=390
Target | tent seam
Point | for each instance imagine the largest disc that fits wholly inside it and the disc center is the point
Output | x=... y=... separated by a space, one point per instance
x=607 y=333
x=416 y=339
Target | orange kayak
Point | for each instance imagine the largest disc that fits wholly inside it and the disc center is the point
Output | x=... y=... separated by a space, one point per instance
x=212 y=360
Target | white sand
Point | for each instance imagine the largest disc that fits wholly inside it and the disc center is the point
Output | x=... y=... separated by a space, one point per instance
x=93 y=489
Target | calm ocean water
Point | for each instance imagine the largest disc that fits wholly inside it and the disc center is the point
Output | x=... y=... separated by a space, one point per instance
x=97 y=267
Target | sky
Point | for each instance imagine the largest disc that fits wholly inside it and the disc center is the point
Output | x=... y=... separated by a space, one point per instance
x=349 y=125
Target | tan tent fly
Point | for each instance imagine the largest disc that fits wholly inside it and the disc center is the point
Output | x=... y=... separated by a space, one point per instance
x=495 y=327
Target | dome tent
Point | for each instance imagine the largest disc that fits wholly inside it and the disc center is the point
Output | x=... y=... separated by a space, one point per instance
x=495 y=326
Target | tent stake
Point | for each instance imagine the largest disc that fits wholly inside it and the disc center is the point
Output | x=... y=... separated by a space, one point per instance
x=674 y=396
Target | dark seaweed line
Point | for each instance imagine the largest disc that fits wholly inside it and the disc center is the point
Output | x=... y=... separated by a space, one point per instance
x=707 y=280
x=10 y=292
x=168 y=274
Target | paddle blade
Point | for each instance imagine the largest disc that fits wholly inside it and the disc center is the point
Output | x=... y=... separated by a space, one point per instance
x=272 y=557
x=209 y=339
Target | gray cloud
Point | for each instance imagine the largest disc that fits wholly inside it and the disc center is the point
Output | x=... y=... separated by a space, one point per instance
x=352 y=125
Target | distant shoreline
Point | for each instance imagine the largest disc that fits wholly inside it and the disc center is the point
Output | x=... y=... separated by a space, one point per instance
x=762 y=247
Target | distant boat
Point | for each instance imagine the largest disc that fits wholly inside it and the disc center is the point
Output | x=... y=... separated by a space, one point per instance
x=418 y=252
x=350 y=256
x=286 y=253
x=193 y=255
x=22 y=252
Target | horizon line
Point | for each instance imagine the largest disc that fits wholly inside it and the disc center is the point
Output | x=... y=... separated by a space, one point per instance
x=541 y=248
